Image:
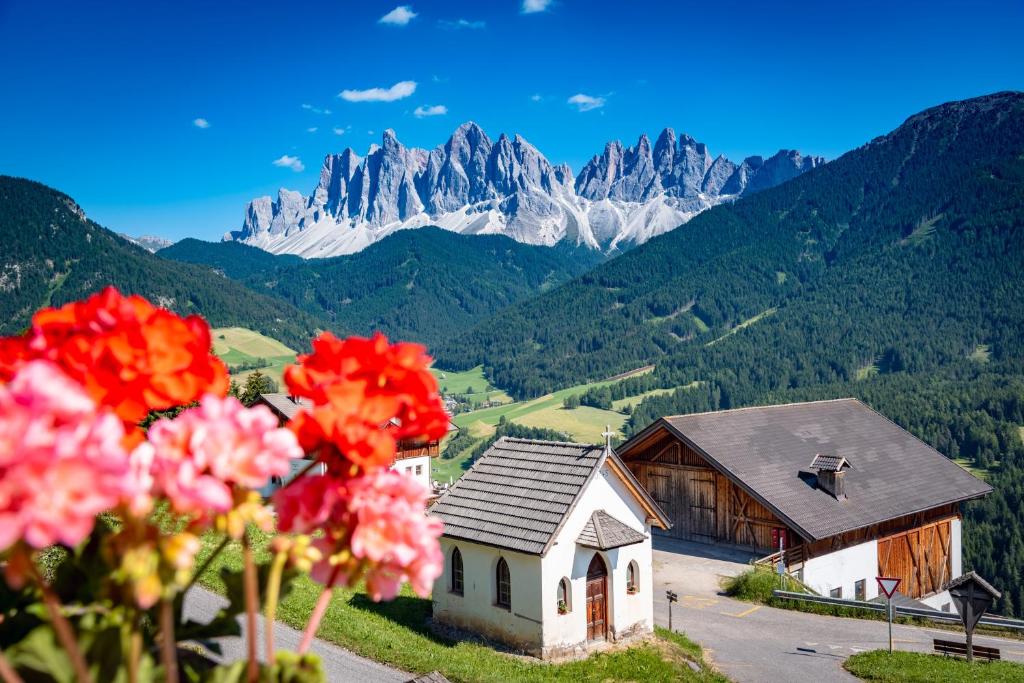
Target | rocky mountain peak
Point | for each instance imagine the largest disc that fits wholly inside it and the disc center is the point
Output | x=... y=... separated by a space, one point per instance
x=624 y=195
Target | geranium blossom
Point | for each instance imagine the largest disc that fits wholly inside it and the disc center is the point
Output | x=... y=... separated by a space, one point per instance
x=125 y=352
x=199 y=456
x=379 y=531
x=62 y=461
x=367 y=395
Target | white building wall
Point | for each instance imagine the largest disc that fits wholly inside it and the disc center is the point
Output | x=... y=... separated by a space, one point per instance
x=475 y=610
x=842 y=568
x=409 y=467
x=627 y=614
x=956 y=561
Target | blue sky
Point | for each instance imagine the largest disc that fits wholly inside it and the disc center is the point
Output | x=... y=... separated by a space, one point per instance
x=100 y=99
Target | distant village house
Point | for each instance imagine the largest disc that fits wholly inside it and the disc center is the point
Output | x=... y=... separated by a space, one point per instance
x=413 y=457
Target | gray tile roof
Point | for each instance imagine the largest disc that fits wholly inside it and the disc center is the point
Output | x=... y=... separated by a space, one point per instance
x=604 y=532
x=284 y=405
x=518 y=494
x=766 y=450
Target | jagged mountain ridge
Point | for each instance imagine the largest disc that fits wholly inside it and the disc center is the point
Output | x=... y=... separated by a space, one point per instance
x=475 y=185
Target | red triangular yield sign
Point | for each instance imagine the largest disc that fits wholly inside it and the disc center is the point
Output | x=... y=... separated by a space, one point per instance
x=887 y=585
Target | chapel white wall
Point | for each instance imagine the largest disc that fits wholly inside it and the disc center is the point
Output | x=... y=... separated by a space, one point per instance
x=475 y=610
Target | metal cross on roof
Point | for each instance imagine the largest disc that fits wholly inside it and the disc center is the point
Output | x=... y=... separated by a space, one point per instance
x=608 y=434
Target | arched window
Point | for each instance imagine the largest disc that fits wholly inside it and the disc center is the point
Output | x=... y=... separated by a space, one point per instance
x=457 y=584
x=564 y=596
x=504 y=584
x=632 y=578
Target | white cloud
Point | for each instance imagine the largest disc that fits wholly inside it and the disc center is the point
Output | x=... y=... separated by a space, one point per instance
x=200 y=123
x=400 y=16
x=586 y=102
x=288 y=161
x=315 y=110
x=395 y=92
x=535 y=6
x=461 y=23
x=312 y=129
x=433 y=110
x=339 y=131
x=536 y=98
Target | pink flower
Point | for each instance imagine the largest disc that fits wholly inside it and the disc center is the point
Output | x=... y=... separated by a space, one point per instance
x=304 y=505
x=199 y=456
x=62 y=461
x=391 y=539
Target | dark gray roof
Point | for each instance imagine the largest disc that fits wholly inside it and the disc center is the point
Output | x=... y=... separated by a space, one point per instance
x=970 y=577
x=287 y=406
x=828 y=463
x=284 y=405
x=765 y=450
x=518 y=493
x=604 y=532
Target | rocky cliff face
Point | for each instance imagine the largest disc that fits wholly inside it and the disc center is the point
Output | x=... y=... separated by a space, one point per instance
x=471 y=184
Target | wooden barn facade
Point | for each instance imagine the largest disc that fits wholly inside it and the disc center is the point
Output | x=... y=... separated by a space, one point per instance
x=847 y=494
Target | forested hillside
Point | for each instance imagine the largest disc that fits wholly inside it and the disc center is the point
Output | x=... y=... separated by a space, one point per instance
x=53 y=254
x=892 y=273
x=426 y=285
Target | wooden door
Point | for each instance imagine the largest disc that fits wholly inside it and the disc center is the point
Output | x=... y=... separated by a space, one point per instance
x=597 y=603
x=658 y=481
x=701 y=495
x=920 y=557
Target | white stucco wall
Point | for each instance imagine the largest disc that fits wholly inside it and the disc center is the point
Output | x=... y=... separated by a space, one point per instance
x=956 y=561
x=842 y=568
x=475 y=610
x=408 y=466
x=567 y=559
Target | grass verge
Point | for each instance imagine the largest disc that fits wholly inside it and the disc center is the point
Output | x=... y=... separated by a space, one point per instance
x=397 y=634
x=916 y=667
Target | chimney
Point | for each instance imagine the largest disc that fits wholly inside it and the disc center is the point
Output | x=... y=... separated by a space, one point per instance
x=831 y=471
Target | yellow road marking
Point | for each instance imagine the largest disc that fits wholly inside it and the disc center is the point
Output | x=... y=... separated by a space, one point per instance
x=746 y=612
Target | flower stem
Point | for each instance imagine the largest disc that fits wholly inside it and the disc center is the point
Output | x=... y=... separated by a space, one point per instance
x=251 y=588
x=273 y=594
x=168 y=647
x=7 y=672
x=318 y=612
x=134 y=649
x=207 y=562
x=62 y=627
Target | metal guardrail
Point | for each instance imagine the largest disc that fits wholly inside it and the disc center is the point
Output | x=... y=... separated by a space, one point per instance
x=933 y=615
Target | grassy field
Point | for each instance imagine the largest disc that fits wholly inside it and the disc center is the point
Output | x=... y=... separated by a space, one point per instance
x=397 y=633
x=238 y=345
x=461 y=383
x=586 y=425
x=916 y=667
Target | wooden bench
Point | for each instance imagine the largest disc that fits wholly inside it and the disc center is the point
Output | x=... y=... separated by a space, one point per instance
x=952 y=648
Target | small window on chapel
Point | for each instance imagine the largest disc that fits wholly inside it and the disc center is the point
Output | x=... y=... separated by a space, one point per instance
x=504 y=585
x=564 y=596
x=457 y=581
x=632 y=578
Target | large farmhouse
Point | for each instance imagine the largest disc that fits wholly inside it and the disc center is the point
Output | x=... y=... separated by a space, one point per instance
x=413 y=457
x=547 y=548
x=846 y=492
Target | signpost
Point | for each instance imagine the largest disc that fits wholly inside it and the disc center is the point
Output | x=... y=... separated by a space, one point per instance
x=888 y=586
x=672 y=597
x=972 y=596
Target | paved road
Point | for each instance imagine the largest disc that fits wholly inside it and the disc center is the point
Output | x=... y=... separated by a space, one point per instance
x=340 y=665
x=751 y=644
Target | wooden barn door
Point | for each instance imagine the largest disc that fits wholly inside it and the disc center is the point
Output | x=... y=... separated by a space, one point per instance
x=597 y=603
x=920 y=557
x=702 y=499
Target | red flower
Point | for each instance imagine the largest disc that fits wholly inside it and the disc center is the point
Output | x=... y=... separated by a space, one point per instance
x=367 y=395
x=126 y=353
